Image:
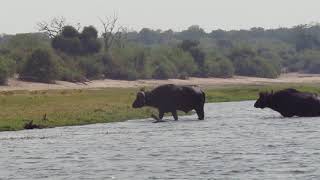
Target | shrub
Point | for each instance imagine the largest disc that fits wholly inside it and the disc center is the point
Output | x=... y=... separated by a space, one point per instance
x=39 y=67
x=258 y=67
x=211 y=69
x=129 y=63
x=247 y=62
x=163 y=71
x=197 y=54
x=183 y=62
x=266 y=69
x=307 y=61
x=67 y=74
x=226 y=68
x=91 y=67
x=216 y=66
x=4 y=72
x=7 y=69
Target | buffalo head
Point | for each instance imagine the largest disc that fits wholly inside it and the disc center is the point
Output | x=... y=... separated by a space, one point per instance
x=140 y=100
x=263 y=101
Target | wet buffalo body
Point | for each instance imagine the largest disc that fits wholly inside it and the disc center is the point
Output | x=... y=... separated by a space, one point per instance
x=290 y=102
x=170 y=98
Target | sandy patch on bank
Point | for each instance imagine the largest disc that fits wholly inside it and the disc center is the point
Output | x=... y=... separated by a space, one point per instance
x=15 y=84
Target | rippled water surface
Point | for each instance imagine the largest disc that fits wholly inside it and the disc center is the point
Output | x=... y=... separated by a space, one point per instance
x=235 y=141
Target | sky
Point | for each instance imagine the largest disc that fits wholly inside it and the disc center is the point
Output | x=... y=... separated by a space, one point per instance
x=22 y=16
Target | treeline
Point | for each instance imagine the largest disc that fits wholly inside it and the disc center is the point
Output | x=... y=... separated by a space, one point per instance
x=78 y=55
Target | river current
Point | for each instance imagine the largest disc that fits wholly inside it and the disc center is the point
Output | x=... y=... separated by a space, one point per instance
x=235 y=141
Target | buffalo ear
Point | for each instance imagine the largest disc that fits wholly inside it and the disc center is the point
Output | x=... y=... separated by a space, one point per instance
x=143 y=89
x=261 y=94
x=142 y=93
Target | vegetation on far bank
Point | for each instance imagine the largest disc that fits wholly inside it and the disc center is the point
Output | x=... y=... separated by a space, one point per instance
x=79 y=54
x=53 y=108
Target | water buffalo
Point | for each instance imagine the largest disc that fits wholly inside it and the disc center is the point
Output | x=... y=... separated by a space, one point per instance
x=170 y=98
x=290 y=102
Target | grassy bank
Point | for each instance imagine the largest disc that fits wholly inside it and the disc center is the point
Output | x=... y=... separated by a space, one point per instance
x=54 y=108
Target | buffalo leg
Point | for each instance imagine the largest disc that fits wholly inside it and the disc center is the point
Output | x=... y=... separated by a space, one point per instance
x=161 y=114
x=287 y=114
x=200 y=113
x=159 y=118
x=175 y=115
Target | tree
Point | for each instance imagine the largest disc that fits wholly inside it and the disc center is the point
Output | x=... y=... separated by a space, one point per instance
x=89 y=32
x=40 y=67
x=111 y=32
x=194 y=32
x=149 y=36
x=89 y=40
x=72 y=42
x=306 y=40
x=67 y=41
x=54 y=28
x=187 y=45
x=18 y=47
x=69 y=32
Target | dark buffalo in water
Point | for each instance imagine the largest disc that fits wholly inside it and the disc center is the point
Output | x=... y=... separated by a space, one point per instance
x=170 y=98
x=290 y=102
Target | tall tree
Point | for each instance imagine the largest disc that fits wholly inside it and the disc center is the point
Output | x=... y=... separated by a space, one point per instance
x=52 y=28
x=111 y=32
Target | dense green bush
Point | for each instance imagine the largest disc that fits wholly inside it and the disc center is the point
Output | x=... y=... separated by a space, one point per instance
x=164 y=71
x=308 y=61
x=125 y=63
x=40 y=67
x=183 y=62
x=92 y=67
x=192 y=46
x=66 y=74
x=162 y=63
x=77 y=55
x=19 y=47
x=171 y=62
x=216 y=66
x=248 y=62
x=256 y=66
x=6 y=69
x=4 y=74
x=262 y=68
x=226 y=68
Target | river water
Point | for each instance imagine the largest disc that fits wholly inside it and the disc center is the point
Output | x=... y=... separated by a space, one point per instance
x=235 y=141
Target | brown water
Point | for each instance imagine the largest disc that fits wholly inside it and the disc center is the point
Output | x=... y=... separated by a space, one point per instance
x=235 y=141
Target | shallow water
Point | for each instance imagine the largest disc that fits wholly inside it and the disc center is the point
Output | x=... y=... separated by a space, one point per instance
x=235 y=141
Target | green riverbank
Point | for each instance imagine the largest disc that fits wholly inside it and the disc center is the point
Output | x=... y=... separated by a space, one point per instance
x=53 y=108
